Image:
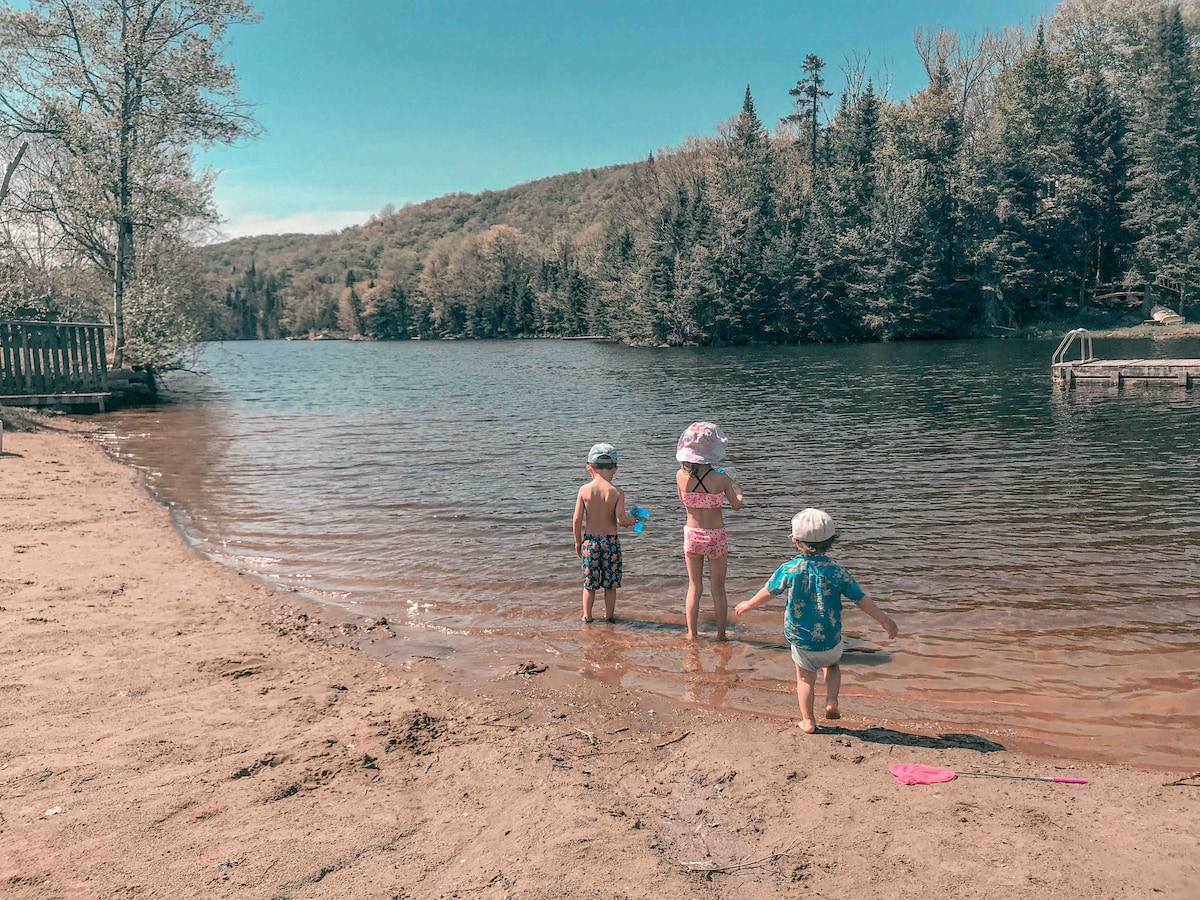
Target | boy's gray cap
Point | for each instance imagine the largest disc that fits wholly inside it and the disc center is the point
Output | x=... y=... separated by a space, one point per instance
x=605 y=452
x=812 y=526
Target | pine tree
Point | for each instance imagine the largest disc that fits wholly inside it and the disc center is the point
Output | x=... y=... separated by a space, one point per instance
x=938 y=280
x=1164 y=193
x=845 y=203
x=1021 y=256
x=807 y=96
x=1099 y=162
x=741 y=301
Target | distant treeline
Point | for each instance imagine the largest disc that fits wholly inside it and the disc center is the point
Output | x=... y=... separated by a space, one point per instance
x=1039 y=175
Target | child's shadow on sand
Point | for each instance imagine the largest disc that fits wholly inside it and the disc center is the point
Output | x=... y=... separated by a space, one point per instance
x=878 y=735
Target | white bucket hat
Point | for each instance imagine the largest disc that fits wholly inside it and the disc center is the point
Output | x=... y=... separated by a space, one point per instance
x=701 y=442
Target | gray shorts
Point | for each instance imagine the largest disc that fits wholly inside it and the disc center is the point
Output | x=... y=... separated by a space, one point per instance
x=816 y=659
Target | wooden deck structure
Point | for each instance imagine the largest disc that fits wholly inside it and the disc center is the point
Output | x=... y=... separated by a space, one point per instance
x=53 y=364
x=1087 y=367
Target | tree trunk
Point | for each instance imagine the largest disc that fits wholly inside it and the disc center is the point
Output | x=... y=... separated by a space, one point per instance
x=11 y=169
x=126 y=140
x=120 y=267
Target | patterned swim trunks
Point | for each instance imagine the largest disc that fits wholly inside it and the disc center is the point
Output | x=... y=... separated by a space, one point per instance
x=601 y=561
x=705 y=542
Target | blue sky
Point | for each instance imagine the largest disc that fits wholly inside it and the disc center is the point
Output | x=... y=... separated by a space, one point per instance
x=369 y=102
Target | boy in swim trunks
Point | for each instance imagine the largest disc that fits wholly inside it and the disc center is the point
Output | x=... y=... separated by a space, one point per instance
x=812 y=622
x=600 y=508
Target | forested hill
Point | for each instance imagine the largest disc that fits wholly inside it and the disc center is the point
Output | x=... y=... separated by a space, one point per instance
x=1038 y=176
x=277 y=285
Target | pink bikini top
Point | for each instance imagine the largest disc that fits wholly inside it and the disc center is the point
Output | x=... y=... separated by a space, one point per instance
x=701 y=499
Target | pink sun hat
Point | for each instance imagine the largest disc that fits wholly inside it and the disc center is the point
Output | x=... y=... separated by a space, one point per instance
x=701 y=442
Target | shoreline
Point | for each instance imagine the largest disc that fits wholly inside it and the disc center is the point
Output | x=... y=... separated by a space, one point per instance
x=201 y=733
x=1156 y=332
x=1142 y=330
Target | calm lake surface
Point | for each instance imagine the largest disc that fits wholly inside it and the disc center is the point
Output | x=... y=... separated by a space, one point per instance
x=1038 y=547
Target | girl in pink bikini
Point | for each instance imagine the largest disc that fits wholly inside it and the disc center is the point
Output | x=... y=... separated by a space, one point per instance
x=703 y=491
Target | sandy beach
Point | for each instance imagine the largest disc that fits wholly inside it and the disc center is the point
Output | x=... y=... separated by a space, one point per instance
x=171 y=728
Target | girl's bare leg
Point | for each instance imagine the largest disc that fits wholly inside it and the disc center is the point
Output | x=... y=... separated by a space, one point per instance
x=695 y=569
x=833 y=684
x=717 y=566
x=805 y=680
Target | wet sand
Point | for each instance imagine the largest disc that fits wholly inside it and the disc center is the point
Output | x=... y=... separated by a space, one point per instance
x=169 y=727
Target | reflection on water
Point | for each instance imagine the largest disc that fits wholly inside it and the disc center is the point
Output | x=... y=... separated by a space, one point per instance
x=705 y=683
x=1036 y=546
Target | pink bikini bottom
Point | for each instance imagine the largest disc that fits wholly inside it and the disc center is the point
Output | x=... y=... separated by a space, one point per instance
x=705 y=542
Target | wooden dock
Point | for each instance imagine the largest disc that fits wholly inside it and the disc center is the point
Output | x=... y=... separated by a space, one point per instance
x=53 y=364
x=1087 y=368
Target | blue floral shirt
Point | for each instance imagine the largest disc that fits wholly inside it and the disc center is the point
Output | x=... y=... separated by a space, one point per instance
x=815 y=586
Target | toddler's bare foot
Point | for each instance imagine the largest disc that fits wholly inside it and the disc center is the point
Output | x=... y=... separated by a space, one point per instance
x=721 y=637
x=808 y=726
x=831 y=712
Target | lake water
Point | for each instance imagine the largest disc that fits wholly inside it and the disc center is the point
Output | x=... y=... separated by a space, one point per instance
x=1037 y=546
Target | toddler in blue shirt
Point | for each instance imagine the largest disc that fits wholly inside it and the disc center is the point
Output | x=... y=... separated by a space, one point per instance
x=812 y=624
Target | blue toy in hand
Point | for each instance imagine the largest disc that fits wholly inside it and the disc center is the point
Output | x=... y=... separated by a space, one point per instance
x=641 y=514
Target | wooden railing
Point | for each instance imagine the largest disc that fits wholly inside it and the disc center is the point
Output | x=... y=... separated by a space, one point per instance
x=1178 y=281
x=45 y=363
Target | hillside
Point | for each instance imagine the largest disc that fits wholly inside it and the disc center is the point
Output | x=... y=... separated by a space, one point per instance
x=572 y=203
